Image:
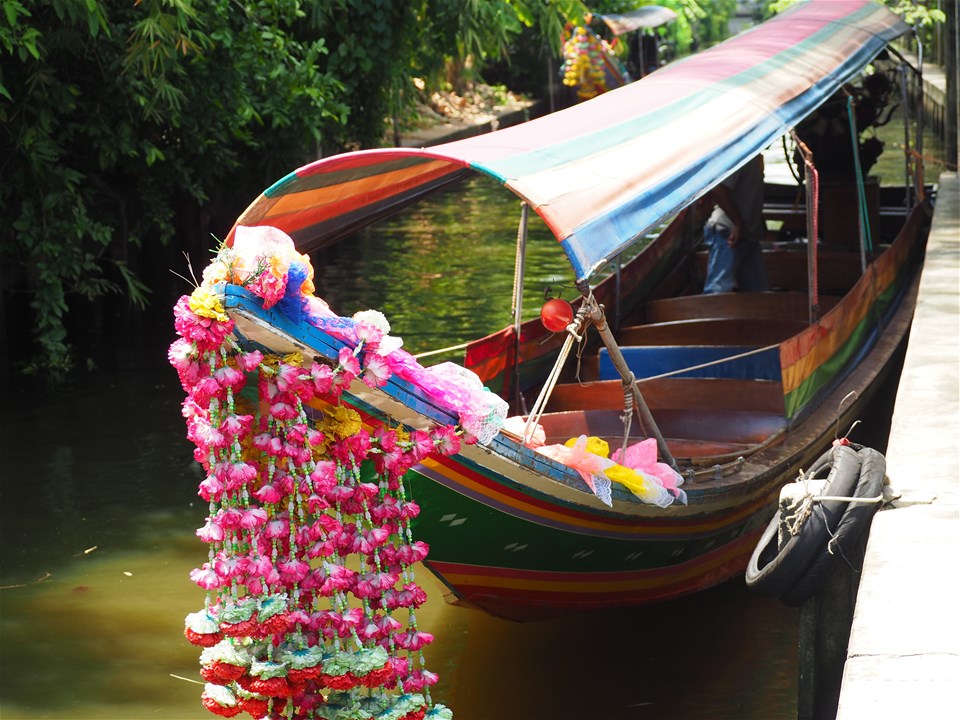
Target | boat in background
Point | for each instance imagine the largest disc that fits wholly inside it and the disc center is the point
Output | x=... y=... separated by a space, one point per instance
x=735 y=392
x=591 y=65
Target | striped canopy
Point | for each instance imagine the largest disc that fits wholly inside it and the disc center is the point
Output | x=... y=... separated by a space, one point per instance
x=604 y=172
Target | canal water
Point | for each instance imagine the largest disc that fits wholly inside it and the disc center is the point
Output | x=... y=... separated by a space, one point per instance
x=98 y=508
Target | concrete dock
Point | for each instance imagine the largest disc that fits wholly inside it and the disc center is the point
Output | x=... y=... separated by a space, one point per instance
x=903 y=657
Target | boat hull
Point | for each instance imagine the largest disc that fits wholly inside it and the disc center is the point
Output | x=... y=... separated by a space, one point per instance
x=519 y=536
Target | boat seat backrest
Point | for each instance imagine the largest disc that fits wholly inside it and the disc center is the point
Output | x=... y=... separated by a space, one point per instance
x=745 y=306
x=712 y=331
x=653 y=361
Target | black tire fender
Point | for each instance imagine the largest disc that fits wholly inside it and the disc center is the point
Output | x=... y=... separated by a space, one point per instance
x=772 y=572
x=852 y=526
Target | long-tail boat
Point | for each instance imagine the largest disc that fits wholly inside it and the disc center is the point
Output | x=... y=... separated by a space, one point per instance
x=738 y=391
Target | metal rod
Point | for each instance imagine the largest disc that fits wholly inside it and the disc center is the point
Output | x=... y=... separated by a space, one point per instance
x=519 y=270
x=905 y=98
x=918 y=168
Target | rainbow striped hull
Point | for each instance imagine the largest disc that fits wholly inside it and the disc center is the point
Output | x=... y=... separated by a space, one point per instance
x=503 y=549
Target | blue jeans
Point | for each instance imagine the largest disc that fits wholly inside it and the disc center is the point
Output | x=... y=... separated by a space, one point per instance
x=732 y=268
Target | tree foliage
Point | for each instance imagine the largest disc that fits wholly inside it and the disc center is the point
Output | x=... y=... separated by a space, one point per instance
x=916 y=13
x=117 y=115
x=113 y=114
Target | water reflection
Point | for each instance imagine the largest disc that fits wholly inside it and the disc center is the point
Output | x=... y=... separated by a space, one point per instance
x=99 y=508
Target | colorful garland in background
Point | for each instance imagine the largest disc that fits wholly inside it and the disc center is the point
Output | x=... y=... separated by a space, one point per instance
x=311 y=599
x=583 y=63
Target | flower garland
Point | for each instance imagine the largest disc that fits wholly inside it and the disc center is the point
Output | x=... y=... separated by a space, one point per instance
x=310 y=550
x=583 y=65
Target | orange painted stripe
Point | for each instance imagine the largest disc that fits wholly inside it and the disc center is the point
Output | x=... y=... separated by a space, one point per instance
x=499 y=494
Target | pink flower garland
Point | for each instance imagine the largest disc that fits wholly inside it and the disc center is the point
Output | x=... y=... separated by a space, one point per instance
x=291 y=500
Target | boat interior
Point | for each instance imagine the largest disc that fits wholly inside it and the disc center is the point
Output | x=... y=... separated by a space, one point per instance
x=708 y=366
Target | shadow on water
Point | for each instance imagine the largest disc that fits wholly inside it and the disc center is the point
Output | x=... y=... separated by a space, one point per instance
x=98 y=510
x=98 y=506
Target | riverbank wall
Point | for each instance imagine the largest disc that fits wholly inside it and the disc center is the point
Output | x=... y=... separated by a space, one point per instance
x=903 y=656
x=444 y=132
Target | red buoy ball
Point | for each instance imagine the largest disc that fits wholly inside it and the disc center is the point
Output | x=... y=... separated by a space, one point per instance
x=556 y=314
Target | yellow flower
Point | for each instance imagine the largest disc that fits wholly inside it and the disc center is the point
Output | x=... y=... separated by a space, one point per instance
x=206 y=303
x=271 y=361
x=308 y=288
x=278 y=267
x=293 y=358
x=343 y=421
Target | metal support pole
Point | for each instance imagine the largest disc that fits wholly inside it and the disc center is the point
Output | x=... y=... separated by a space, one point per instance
x=905 y=99
x=519 y=270
x=599 y=320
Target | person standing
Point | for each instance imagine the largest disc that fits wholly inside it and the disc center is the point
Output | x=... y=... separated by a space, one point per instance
x=734 y=230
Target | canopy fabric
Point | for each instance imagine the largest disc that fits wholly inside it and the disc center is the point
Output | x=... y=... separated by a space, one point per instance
x=649 y=16
x=604 y=172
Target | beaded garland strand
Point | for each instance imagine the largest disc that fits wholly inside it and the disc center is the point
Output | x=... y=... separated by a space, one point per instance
x=300 y=493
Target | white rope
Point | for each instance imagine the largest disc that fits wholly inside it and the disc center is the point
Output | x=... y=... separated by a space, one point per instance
x=821 y=498
x=461 y=346
x=805 y=508
x=538 y=407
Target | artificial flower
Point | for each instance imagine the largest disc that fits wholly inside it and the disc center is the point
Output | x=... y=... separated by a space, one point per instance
x=200 y=628
x=343 y=422
x=206 y=577
x=376 y=371
x=445 y=440
x=374 y=319
x=422 y=444
x=206 y=333
x=210 y=532
x=348 y=368
x=220 y=700
x=206 y=302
